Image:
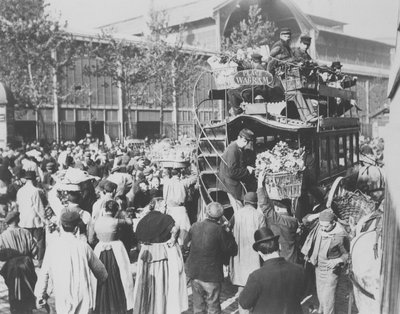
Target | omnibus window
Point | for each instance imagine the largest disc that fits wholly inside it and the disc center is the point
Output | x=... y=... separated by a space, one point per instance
x=323 y=162
x=342 y=152
x=334 y=158
x=355 y=147
x=350 y=149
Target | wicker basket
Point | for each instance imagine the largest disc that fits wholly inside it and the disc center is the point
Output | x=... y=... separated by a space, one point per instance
x=346 y=204
x=284 y=185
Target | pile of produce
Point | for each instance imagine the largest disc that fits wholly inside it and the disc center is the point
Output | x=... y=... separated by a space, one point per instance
x=166 y=150
x=281 y=159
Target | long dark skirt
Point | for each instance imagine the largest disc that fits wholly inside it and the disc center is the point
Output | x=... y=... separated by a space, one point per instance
x=20 y=277
x=110 y=297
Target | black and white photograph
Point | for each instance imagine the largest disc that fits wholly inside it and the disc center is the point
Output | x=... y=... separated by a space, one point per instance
x=199 y=156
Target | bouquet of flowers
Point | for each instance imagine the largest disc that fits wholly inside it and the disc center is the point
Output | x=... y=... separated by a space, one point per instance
x=282 y=167
x=280 y=159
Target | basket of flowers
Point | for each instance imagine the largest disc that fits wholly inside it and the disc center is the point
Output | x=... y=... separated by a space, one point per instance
x=283 y=168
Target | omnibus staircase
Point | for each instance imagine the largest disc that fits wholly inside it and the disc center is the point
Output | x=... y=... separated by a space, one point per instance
x=212 y=140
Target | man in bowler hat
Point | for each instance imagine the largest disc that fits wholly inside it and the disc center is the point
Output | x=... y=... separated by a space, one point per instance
x=278 y=286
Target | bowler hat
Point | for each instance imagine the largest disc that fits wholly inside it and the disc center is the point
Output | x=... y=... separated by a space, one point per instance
x=286 y=30
x=11 y=216
x=70 y=218
x=251 y=198
x=263 y=234
x=305 y=39
x=336 y=65
x=246 y=134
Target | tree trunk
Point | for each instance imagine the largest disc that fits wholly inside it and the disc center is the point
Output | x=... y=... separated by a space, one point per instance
x=174 y=104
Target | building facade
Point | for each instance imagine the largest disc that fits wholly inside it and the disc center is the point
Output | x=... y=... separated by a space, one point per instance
x=206 y=23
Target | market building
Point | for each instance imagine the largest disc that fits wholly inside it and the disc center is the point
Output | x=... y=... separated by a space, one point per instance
x=206 y=22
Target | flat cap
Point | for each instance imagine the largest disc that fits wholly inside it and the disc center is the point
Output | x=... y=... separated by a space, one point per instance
x=286 y=30
x=256 y=57
x=70 y=218
x=247 y=134
x=305 y=39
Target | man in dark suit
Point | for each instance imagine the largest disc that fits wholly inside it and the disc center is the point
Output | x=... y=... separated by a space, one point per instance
x=211 y=246
x=233 y=170
x=278 y=286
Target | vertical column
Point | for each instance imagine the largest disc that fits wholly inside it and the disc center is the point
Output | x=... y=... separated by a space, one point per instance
x=367 y=101
x=120 y=111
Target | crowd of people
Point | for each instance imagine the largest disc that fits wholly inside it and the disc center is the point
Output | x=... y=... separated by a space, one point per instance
x=84 y=213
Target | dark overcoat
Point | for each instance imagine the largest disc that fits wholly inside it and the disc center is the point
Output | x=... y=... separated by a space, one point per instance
x=233 y=171
x=276 y=288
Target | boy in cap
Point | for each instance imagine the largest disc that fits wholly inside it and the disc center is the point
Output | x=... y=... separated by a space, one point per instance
x=68 y=262
x=327 y=249
x=278 y=286
x=233 y=171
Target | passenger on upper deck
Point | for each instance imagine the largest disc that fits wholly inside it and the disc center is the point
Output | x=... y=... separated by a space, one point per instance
x=280 y=50
x=344 y=81
x=300 y=54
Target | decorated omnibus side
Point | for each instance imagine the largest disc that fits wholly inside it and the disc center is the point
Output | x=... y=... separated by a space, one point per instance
x=309 y=109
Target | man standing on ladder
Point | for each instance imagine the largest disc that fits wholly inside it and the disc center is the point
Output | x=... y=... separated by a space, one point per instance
x=233 y=171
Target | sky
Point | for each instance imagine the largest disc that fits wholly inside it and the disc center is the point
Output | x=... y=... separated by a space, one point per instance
x=372 y=19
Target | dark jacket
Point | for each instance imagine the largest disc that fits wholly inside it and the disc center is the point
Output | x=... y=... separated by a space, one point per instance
x=283 y=225
x=279 y=51
x=210 y=247
x=276 y=288
x=300 y=55
x=233 y=172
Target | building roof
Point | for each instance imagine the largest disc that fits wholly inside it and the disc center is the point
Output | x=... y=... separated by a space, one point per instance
x=177 y=14
x=323 y=21
x=340 y=34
